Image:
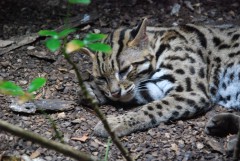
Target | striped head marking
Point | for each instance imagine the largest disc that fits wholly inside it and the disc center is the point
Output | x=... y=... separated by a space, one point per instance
x=117 y=74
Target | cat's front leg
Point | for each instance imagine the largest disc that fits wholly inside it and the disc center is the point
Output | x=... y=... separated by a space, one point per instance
x=94 y=92
x=170 y=108
x=123 y=125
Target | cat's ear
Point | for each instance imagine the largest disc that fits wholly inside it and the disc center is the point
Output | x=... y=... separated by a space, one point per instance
x=88 y=52
x=139 y=34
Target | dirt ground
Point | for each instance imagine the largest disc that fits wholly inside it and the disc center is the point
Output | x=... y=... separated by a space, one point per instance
x=180 y=140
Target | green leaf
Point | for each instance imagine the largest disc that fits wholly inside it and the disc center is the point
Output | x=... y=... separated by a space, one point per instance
x=99 y=47
x=51 y=33
x=9 y=88
x=80 y=1
x=53 y=44
x=66 y=32
x=94 y=37
x=36 y=84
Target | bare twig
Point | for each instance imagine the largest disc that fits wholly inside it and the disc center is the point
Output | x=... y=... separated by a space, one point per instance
x=62 y=148
x=99 y=113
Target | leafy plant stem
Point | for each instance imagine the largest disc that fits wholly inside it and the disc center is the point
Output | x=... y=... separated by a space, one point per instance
x=98 y=112
x=107 y=149
x=58 y=134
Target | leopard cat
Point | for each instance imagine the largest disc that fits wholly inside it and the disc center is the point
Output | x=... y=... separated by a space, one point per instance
x=171 y=73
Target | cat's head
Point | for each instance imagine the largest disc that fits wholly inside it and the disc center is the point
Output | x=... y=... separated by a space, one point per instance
x=131 y=61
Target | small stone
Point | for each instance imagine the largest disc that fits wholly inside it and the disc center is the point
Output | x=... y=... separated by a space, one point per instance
x=30 y=47
x=76 y=121
x=23 y=82
x=95 y=153
x=94 y=145
x=97 y=31
x=199 y=145
x=49 y=158
x=181 y=143
x=167 y=135
x=5 y=63
x=61 y=115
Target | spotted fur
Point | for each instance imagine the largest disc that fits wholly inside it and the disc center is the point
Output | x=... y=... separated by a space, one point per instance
x=170 y=73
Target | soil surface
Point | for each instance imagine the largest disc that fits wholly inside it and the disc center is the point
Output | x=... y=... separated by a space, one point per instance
x=180 y=140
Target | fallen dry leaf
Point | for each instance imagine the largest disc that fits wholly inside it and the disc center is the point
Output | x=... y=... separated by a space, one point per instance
x=82 y=139
x=35 y=154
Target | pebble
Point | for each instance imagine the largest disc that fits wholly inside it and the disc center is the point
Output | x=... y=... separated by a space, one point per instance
x=30 y=47
x=23 y=82
x=93 y=145
x=199 y=145
x=5 y=63
x=49 y=158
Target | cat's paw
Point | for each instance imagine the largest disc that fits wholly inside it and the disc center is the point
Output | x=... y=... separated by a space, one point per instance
x=222 y=124
x=94 y=92
x=117 y=125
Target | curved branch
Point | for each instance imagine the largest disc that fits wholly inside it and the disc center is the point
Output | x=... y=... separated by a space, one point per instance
x=59 y=147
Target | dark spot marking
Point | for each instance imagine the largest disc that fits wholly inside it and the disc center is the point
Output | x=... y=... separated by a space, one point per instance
x=189 y=49
x=228 y=97
x=190 y=102
x=235 y=37
x=230 y=65
x=224 y=46
x=178 y=48
x=179 y=98
x=185 y=114
x=232 y=76
x=178 y=107
x=217 y=59
x=165 y=102
x=179 y=88
x=153 y=119
x=180 y=71
x=202 y=87
x=150 y=108
x=192 y=70
x=188 y=84
x=208 y=62
x=234 y=54
x=224 y=86
x=175 y=114
x=159 y=106
x=159 y=113
x=202 y=100
x=216 y=41
x=145 y=112
x=213 y=91
x=236 y=45
x=199 y=52
x=230 y=33
x=201 y=73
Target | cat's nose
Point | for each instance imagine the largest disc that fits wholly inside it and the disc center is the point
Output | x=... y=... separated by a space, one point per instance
x=116 y=94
